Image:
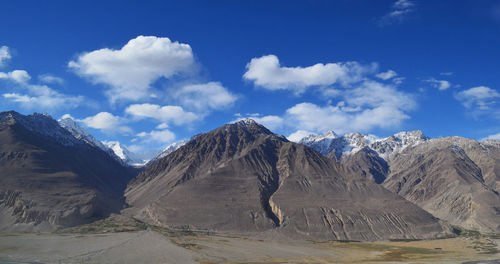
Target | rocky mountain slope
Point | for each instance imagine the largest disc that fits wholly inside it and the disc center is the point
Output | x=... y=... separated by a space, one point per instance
x=50 y=178
x=454 y=178
x=241 y=178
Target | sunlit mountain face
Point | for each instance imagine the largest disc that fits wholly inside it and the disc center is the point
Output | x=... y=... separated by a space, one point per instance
x=245 y=132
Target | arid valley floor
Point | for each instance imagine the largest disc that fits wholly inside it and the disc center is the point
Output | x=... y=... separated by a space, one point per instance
x=122 y=240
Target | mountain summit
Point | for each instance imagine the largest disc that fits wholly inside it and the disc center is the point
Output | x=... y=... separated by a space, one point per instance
x=50 y=178
x=242 y=178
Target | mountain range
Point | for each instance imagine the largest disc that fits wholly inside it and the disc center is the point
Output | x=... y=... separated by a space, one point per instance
x=454 y=178
x=243 y=179
x=50 y=178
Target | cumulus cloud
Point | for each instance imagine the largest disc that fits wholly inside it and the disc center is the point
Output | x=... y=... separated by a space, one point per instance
x=67 y=116
x=494 y=137
x=37 y=96
x=365 y=107
x=363 y=103
x=50 y=79
x=478 y=98
x=130 y=71
x=166 y=114
x=266 y=72
x=159 y=136
x=441 y=85
x=162 y=126
x=298 y=135
x=43 y=97
x=18 y=76
x=4 y=55
x=400 y=10
x=207 y=96
x=107 y=122
x=386 y=75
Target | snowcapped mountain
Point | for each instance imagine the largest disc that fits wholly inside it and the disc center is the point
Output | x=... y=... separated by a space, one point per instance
x=321 y=143
x=80 y=133
x=113 y=148
x=42 y=124
x=170 y=148
x=336 y=147
x=396 y=143
x=124 y=154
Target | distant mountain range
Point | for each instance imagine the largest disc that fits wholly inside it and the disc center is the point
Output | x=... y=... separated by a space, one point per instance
x=115 y=148
x=243 y=179
x=454 y=178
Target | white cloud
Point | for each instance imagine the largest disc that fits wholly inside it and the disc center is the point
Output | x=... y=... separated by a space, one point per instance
x=365 y=107
x=298 y=135
x=478 y=98
x=43 y=97
x=131 y=70
x=446 y=73
x=439 y=84
x=50 y=79
x=67 y=116
x=159 y=136
x=36 y=97
x=494 y=137
x=107 y=122
x=315 y=118
x=162 y=126
x=18 y=98
x=398 y=80
x=203 y=97
x=266 y=72
x=386 y=75
x=4 y=55
x=19 y=76
x=166 y=114
x=399 y=12
x=270 y=121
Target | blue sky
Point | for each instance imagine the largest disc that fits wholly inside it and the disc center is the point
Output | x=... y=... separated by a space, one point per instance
x=148 y=73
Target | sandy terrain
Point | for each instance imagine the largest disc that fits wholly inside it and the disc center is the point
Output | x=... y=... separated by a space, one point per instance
x=159 y=245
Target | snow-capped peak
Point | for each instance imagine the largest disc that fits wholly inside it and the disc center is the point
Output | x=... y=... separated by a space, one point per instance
x=80 y=133
x=42 y=124
x=324 y=143
x=124 y=154
x=332 y=145
x=396 y=143
x=170 y=148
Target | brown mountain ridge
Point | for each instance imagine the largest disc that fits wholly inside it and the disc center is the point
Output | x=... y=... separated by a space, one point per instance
x=242 y=178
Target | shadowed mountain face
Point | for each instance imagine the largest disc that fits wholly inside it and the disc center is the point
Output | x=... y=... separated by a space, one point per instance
x=368 y=164
x=48 y=178
x=241 y=178
x=455 y=179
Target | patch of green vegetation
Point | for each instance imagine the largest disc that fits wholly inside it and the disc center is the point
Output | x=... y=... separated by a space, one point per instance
x=400 y=253
x=173 y=232
x=404 y=239
x=112 y=224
